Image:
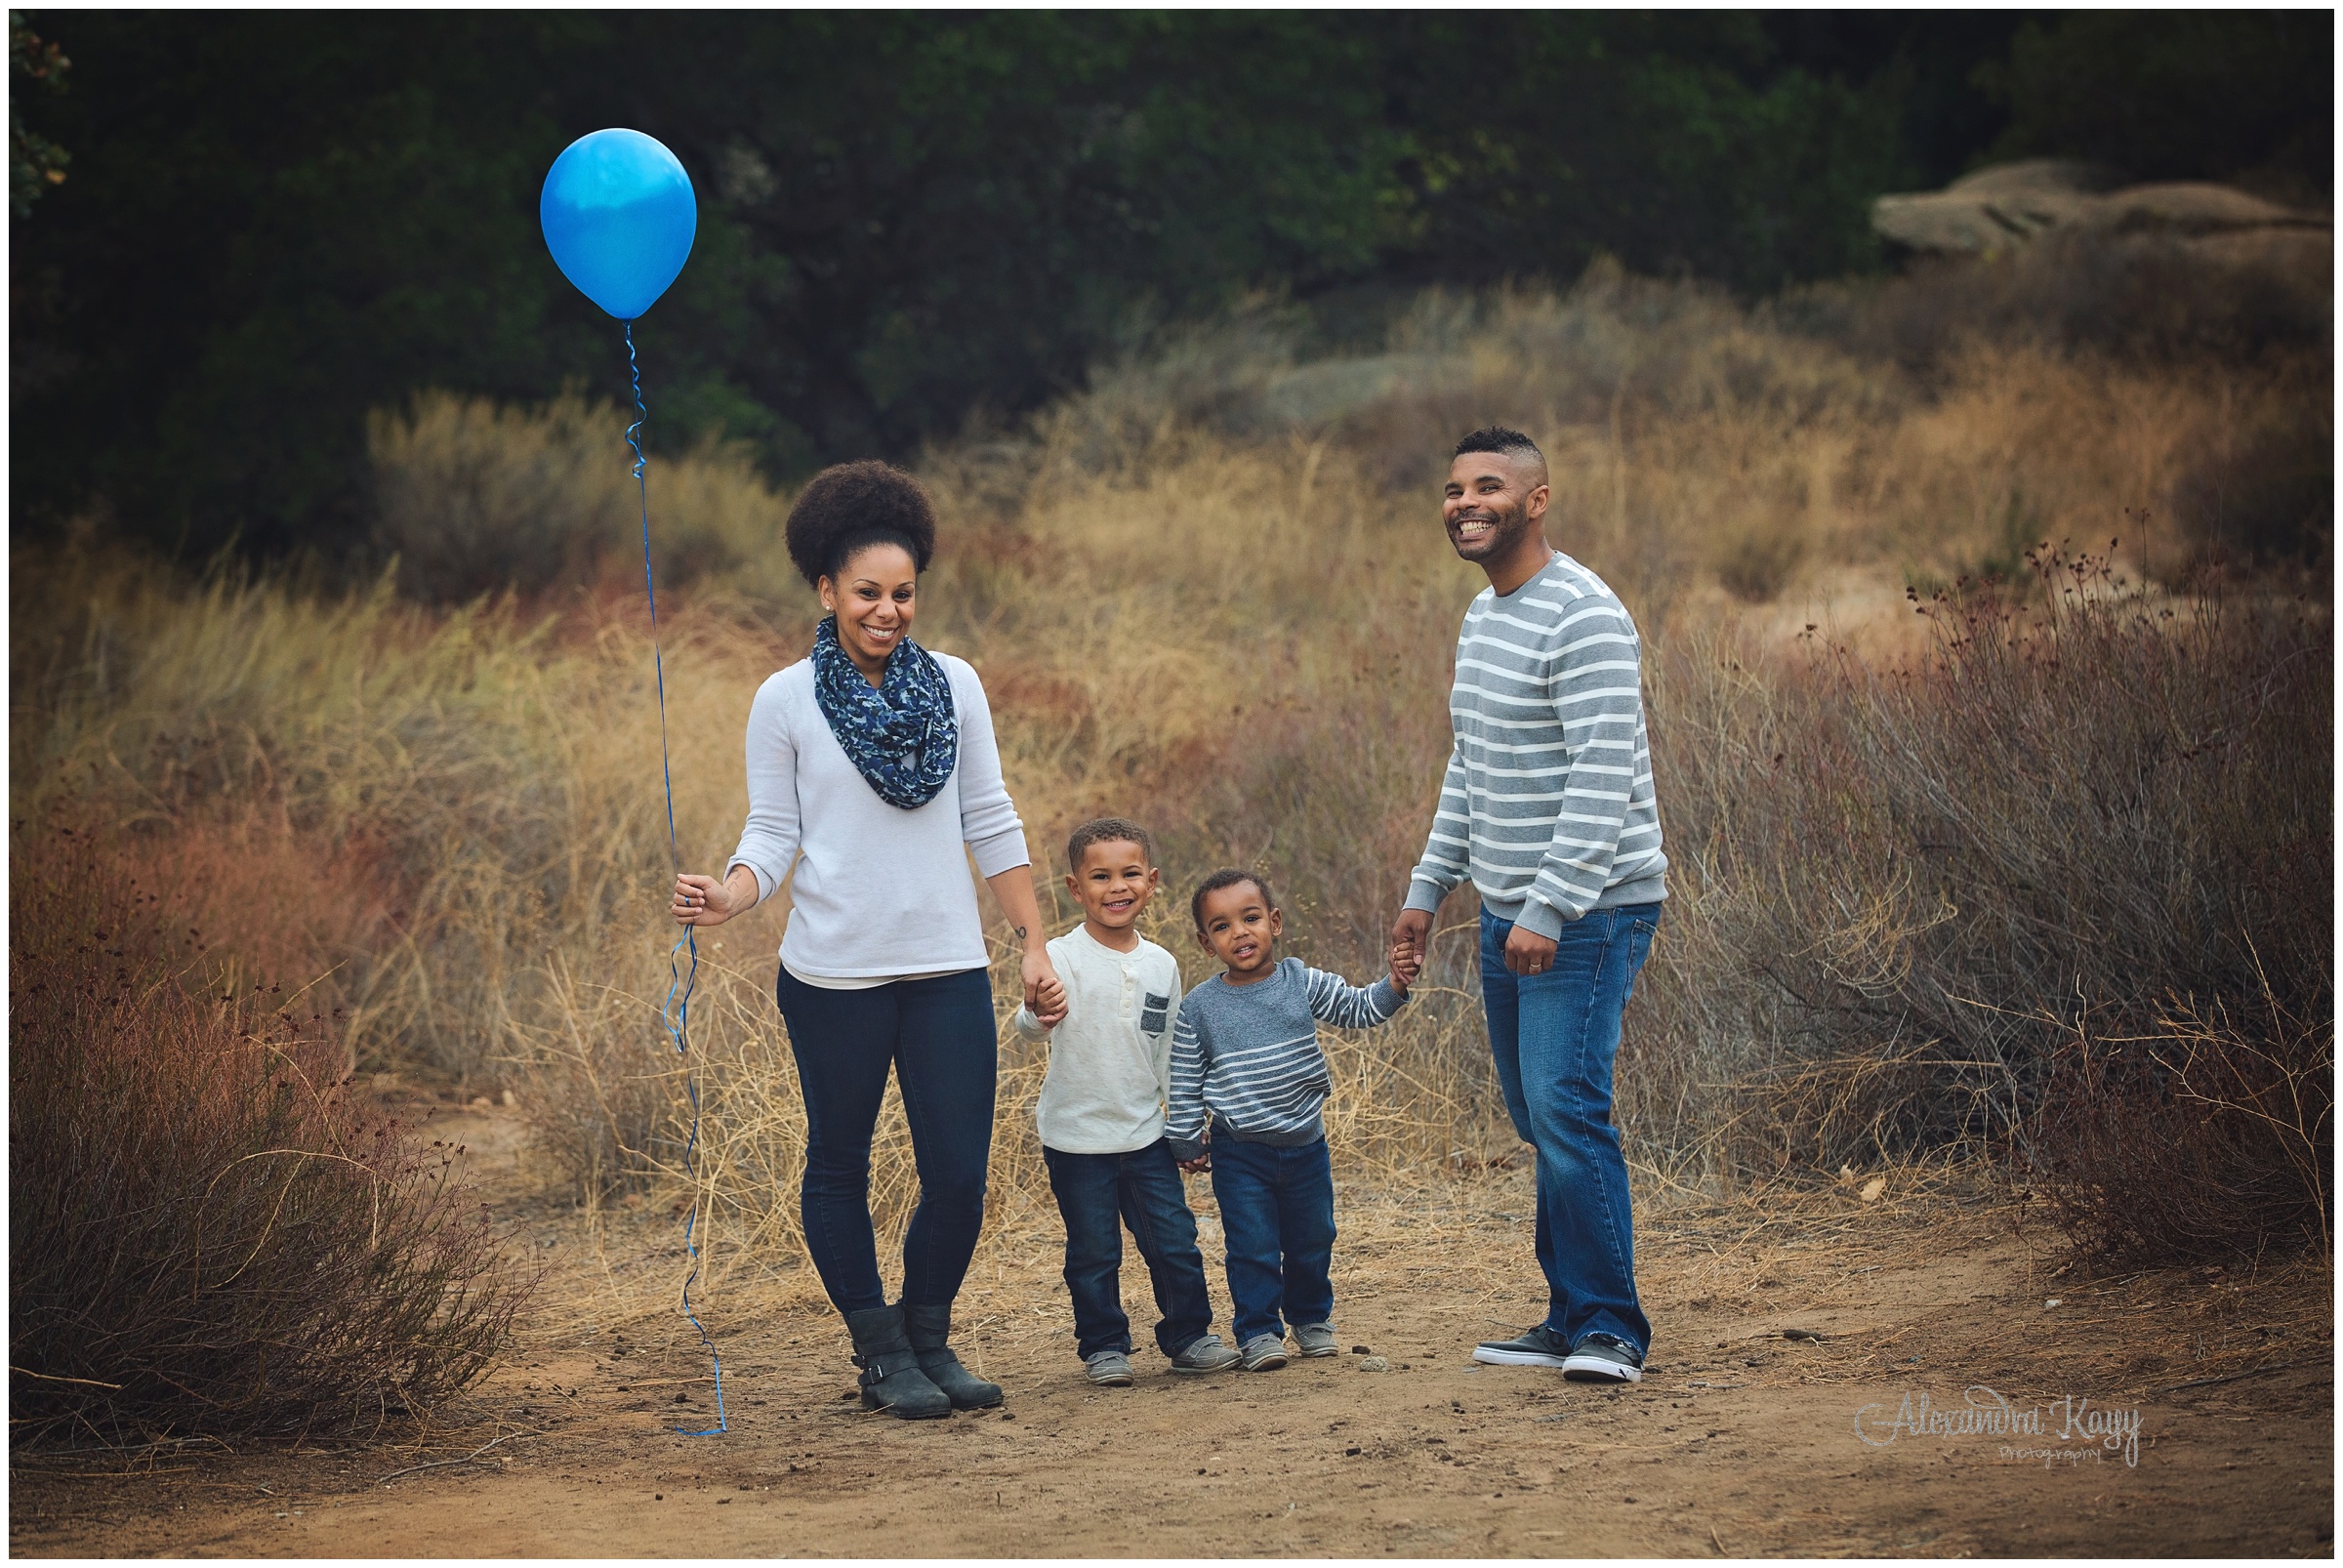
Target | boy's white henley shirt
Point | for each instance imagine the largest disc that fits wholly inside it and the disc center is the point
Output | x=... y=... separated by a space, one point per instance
x=1110 y=1058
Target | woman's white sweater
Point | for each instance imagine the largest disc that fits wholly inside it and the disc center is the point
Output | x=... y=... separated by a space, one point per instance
x=880 y=893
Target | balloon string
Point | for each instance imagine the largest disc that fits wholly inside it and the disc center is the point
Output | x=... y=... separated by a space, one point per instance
x=674 y=1013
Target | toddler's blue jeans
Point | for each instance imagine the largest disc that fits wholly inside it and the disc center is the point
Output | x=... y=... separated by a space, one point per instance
x=1277 y=1210
x=1098 y=1194
x=1555 y=1036
x=938 y=1036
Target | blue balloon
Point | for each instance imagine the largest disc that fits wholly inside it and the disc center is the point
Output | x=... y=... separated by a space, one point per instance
x=619 y=217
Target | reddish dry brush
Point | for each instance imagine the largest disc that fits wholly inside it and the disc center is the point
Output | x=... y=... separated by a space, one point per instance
x=208 y=1233
x=2082 y=811
x=2209 y=1139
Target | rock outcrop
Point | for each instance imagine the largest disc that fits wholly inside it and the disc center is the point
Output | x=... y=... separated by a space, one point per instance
x=2005 y=207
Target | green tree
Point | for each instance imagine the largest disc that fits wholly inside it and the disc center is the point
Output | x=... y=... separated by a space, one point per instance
x=280 y=220
x=34 y=163
x=2177 y=94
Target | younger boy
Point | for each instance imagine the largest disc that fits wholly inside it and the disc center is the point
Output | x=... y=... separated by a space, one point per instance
x=1102 y=1111
x=1245 y=1054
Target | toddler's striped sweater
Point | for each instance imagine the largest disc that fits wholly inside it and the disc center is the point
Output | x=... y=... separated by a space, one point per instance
x=1248 y=1056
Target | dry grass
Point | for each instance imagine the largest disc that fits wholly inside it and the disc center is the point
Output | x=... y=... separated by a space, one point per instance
x=473 y=497
x=1210 y=592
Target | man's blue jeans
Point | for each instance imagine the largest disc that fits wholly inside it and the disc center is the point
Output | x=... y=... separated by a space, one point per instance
x=1098 y=1194
x=1555 y=1036
x=1277 y=1210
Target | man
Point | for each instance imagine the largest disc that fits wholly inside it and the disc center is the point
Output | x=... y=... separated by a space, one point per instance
x=1547 y=805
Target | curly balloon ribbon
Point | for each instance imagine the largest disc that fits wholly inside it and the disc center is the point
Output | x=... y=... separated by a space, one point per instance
x=674 y=1013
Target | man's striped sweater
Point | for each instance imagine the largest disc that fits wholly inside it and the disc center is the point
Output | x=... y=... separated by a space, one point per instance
x=1548 y=804
x=1248 y=1056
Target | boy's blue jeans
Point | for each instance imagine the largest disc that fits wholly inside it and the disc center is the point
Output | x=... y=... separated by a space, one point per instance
x=1555 y=1036
x=1277 y=1210
x=1100 y=1193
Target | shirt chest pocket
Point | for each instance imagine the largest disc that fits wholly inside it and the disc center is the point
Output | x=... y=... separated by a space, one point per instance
x=1155 y=1014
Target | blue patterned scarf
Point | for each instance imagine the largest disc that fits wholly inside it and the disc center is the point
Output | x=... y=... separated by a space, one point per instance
x=902 y=733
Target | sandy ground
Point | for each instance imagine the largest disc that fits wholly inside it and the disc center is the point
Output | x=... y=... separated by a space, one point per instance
x=1740 y=1442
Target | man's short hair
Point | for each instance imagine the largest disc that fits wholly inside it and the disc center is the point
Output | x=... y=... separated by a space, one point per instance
x=1107 y=830
x=1500 y=439
x=1226 y=876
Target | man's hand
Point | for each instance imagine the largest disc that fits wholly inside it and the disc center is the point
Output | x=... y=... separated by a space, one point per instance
x=1198 y=1166
x=1406 y=965
x=1528 y=953
x=1050 y=1003
x=1413 y=930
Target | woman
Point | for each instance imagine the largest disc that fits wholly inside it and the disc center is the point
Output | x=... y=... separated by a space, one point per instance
x=874 y=774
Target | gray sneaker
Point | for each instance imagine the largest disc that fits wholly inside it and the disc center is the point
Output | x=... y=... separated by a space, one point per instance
x=1207 y=1354
x=1264 y=1352
x=1108 y=1369
x=1316 y=1340
x=1602 y=1358
x=1541 y=1347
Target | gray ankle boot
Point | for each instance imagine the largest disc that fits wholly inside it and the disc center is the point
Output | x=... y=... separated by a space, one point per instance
x=892 y=1379
x=928 y=1328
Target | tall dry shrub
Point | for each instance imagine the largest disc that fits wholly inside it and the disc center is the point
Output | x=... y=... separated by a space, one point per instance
x=472 y=496
x=2209 y=1135
x=1911 y=887
x=207 y=1233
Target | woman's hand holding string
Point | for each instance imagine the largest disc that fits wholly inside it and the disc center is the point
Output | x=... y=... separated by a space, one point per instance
x=705 y=901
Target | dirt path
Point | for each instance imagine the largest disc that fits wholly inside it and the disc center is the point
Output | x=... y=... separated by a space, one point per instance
x=1740 y=1442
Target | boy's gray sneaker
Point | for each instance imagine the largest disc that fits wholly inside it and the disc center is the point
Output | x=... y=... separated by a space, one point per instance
x=1316 y=1340
x=1264 y=1352
x=1109 y=1369
x=1207 y=1354
x=1603 y=1358
x=1541 y=1347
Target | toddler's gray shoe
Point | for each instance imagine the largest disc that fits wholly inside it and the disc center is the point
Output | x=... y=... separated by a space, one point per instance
x=1316 y=1340
x=1264 y=1352
x=1207 y=1354
x=1109 y=1369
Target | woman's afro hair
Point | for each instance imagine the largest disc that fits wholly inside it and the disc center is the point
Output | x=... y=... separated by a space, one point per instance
x=852 y=505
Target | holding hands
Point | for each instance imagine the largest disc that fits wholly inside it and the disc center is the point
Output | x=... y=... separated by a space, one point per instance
x=1526 y=952
x=1048 y=1002
x=1411 y=936
x=1407 y=962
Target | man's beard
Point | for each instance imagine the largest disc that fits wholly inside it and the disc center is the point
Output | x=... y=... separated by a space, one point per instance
x=1505 y=530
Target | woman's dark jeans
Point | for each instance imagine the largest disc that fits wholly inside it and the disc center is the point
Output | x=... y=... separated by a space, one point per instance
x=1277 y=1210
x=939 y=1037
x=1098 y=1194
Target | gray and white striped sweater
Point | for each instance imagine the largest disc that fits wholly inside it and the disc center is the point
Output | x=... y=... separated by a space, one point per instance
x=1547 y=803
x=1246 y=1055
